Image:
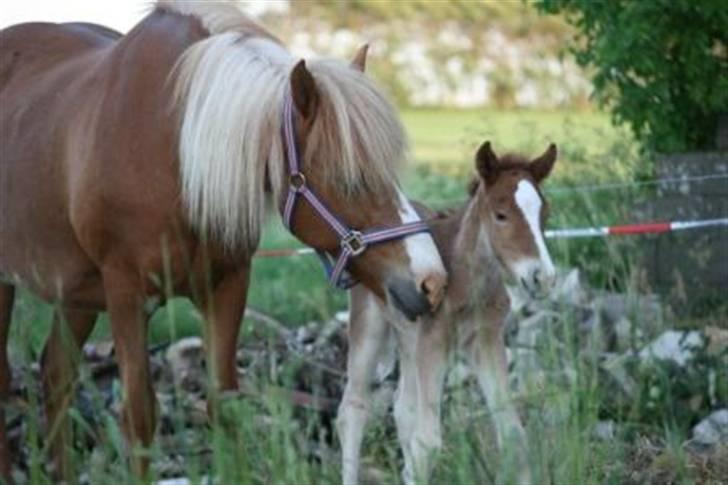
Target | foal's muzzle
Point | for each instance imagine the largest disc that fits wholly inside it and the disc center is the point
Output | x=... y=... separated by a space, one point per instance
x=537 y=281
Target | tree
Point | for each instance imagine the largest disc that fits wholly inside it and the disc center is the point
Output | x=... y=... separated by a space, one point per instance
x=661 y=66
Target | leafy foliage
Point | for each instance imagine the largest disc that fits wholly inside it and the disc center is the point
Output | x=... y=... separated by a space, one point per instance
x=660 y=65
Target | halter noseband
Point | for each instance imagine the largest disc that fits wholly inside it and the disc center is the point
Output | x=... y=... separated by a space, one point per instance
x=352 y=242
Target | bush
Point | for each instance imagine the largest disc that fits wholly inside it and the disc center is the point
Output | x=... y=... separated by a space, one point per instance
x=661 y=66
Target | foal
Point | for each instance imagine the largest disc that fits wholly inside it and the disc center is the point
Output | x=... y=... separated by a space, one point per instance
x=498 y=230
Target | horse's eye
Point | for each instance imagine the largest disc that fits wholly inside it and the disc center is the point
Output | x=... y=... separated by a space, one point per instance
x=500 y=217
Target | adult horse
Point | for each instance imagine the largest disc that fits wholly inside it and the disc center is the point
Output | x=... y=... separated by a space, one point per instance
x=138 y=163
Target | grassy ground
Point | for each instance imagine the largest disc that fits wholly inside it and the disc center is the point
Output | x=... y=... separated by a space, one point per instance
x=560 y=418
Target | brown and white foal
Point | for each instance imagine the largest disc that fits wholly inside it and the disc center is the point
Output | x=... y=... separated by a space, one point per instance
x=498 y=232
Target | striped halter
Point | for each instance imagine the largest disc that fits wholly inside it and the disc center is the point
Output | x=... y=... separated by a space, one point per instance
x=352 y=242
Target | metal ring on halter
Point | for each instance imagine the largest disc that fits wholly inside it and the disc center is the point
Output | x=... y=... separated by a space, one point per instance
x=297 y=181
x=354 y=243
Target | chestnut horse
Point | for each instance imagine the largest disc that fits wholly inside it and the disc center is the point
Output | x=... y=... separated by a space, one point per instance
x=136 y=164
x=497 y=233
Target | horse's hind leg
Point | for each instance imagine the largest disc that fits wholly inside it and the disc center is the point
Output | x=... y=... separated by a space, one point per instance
x=368 y=333
x=7 y=297
x=60 y=359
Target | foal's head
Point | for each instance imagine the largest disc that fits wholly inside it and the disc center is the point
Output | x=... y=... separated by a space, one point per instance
x=350 y=140
x=513 y=212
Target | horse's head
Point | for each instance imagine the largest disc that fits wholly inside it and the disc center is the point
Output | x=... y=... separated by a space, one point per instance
x=513 y=212
x=349 y=140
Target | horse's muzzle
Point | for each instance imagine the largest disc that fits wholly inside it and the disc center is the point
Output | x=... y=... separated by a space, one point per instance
x=407 y=298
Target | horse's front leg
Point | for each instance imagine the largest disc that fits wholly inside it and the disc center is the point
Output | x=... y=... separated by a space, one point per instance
x=487 y=356
x=431 y=361
x=223 y=311
x=125 y=304
x=368 y=333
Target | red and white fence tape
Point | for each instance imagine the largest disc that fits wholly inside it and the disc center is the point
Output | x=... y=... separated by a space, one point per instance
x=642 y=228
x=577 y=232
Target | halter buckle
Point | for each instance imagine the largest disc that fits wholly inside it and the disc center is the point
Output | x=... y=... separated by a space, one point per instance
x=354 y=243
x=297 y=181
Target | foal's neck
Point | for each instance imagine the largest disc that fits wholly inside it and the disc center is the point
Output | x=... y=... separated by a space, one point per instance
x=466 y=251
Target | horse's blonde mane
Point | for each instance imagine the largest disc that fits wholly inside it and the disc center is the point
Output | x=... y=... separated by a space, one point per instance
x=216 y=16
x=230 y=89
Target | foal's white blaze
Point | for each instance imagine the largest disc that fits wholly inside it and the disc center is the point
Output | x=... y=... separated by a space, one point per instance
x=424 y=257
x=529 y=202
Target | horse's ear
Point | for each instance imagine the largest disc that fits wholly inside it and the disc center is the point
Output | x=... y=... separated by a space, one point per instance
x=304 y=91
x=486 y=162
x=360 y=58
x=540 y=167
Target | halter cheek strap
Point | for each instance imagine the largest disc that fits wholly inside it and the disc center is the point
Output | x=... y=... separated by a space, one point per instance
x=352 y=242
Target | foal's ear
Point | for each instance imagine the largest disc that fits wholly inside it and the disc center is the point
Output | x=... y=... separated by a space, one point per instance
x=486 y=162
x=304 y=90
x=360 y=58
x=540 y=167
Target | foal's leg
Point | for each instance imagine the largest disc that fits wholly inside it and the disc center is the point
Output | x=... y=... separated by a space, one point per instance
x=368 y=333
x=7 y=297
x=59 y=362
x=125 y=304
x=487 y=356
x=431 y=361
x=223 y=315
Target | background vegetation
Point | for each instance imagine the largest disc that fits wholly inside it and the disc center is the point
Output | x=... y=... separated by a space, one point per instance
x=660 y=66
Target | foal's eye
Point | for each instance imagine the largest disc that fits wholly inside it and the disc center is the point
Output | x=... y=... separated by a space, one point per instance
x=500 y=217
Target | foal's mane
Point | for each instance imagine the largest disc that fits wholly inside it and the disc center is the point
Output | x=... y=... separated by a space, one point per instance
x=230 y=89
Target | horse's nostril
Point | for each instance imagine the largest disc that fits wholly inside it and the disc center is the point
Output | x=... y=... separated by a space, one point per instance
x=433 y=286
x=425 y=288
x=537 y=276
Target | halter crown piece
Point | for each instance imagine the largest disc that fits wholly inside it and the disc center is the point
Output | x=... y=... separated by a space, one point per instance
x=352 y=242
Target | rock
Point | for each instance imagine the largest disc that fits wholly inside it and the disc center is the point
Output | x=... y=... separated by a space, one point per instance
x=185 y=358
x=569 y=290
x=98 y=350
x=717 y=340
x=673 y=345
x=604 y=430
x=184 y=481
x=342 y=317
x=328 y=330
x=712 y=430
x=615 y=366
x=644 y=310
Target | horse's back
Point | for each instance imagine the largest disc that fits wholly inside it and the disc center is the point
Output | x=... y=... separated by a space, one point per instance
x=87 y=131
x=36 y=47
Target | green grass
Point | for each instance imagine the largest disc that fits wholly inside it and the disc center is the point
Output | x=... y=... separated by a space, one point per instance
x=448 y=138
x=265 y=440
